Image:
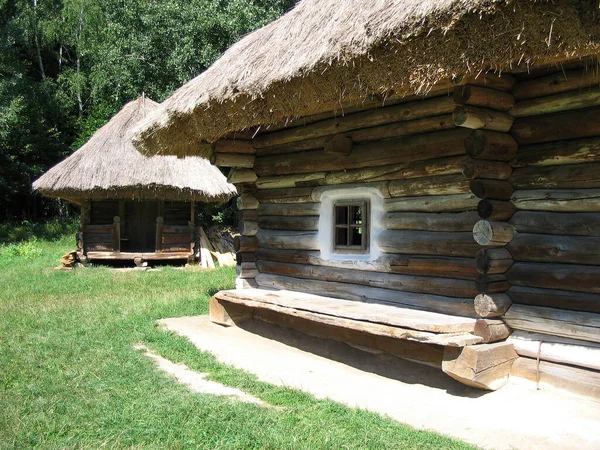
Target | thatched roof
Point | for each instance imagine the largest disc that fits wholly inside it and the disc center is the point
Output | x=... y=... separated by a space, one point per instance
x=109 y=166
x=324 y=52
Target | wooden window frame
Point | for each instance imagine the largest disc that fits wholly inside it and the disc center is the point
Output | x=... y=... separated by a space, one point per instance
x=366 y=226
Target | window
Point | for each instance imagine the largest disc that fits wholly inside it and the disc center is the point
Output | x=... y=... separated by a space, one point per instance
x=351 y=227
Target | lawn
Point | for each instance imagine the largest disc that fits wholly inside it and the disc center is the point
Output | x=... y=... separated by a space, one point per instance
x=70 y=377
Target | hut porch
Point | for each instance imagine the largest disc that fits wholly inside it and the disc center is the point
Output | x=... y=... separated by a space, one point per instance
x=137 y=230
x=464 y=348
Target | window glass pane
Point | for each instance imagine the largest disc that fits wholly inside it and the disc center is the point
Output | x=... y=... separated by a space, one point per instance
x=356 y=214
x=341 y=236
x=356 y=236
x=341 y=215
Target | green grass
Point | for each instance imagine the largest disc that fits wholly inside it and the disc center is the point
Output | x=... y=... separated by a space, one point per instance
x=69 y=377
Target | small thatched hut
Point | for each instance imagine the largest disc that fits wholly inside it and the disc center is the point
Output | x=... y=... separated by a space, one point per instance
x=422 y=177
x=134 y=207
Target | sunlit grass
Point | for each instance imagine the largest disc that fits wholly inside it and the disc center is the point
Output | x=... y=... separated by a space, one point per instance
x=69 y=376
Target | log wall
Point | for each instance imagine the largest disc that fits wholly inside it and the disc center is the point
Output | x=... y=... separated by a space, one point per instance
x=491 y=203
x=414 y=154
x=554 y=281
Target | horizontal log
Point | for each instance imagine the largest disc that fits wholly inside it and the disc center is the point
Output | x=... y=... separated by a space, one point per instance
x=490 y=261
x=565 y=101
x=427 y=243
x=248 y=214
x=98 y=246
x=483 y=97
x=243 y=160
x=366 y=119
x=481 y=118
x=559 y=249
x=98 y=228
x=98 y=237
x=247 y=201
x=245 y=244
x=301 y=209
x=573 y=379
x=556 y=127
x=491 y=305
x=406 y=283
x=556 y=349
x=177 y=238
x=392 y=340
x=570 y=324
x=241 y=257
x=578 y=224
x=246 y=270
x=495 y=209
x=481 y=168
x=426 y=302
x=491 y=145
x=462 y=221
x=243 y=283
x=558 y=200
x=562 y=81
x=338 y=144
x=492 y=284
x=553 y=298
x=248 y=228
x=493 y=234
x=299 y=223
x=393 y=151
x=434 y=203
x=289 y=195
x=176 y=248
x=485 y=366
x=567 y=277
x=492 y=330
x=234 y=146
x=290 y=181
x=573 y=176
x=558 y=153
x=417 y=169
x=491 y=80
x=283 y=239
x=420 y=265
x=241 y=176
x=441 y=185
x=492 y=189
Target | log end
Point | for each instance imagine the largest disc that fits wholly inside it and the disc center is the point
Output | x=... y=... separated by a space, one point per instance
x=485 y=366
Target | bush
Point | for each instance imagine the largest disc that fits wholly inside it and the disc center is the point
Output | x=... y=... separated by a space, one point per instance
x=28 y=231
x=26 y=250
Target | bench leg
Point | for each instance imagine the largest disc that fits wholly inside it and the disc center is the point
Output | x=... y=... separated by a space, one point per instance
x=227 y=314
x=485 y=366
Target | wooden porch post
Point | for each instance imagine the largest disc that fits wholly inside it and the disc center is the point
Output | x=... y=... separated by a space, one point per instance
x=116 y=234
x=159 y=234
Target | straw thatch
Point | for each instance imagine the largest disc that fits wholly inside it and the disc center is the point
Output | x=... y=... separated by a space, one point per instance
x=109 y=166
x=325 y=52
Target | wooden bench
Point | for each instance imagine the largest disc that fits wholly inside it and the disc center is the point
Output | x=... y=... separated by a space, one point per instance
x=467 y=349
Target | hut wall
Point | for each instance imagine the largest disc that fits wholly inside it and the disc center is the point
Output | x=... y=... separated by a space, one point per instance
x=490 y=207
x=555 y=277
x=408 y=160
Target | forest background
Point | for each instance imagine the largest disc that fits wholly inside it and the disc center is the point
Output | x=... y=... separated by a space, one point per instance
x=67 y=66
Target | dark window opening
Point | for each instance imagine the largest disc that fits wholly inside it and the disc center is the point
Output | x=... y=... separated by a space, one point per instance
x=351 y=227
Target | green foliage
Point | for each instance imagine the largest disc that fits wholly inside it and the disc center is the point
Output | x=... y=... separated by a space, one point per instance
x=67 y=66
x=71 y=377
x=51 y=230
x=26 y=250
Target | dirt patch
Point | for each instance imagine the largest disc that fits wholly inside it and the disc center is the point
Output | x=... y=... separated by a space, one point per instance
x=514 y=417
x=197 y=381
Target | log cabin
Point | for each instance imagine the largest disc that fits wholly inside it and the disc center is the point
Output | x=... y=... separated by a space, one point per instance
x=134 y=207
x=422 y=178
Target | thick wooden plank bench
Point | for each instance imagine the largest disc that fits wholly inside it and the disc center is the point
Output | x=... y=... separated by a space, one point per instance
x=465 y=348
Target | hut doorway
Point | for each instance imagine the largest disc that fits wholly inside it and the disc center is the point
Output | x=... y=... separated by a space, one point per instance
x=140 y=226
